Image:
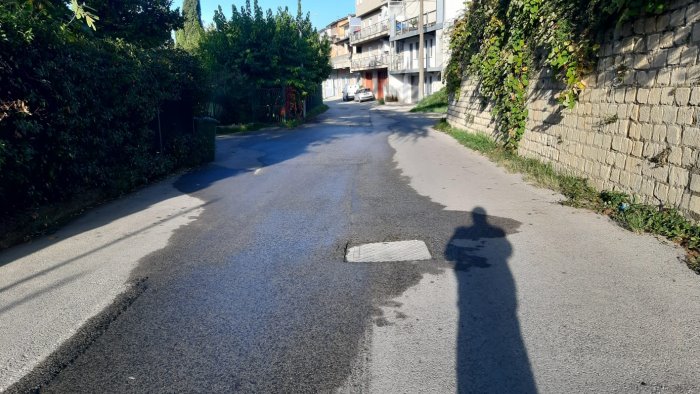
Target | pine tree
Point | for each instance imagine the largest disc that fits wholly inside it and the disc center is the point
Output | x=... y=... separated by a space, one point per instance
x=190 y=36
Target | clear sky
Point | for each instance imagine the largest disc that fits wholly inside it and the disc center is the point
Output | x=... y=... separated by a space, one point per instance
x=322 y=12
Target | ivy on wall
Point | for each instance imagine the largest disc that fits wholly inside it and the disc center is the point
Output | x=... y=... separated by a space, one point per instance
x=499 y=41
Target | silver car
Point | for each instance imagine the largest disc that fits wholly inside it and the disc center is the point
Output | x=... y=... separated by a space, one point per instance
x=364 y=95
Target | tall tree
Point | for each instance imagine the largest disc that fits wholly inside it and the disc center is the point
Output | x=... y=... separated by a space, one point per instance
x=147 y=23
x=192 y=33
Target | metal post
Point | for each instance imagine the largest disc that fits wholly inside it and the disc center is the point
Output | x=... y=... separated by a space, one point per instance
x=421 y=53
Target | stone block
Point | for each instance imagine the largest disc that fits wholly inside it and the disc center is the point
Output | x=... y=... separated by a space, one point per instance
x=662 y=22
x=661 y=191
x=653 y=41
x=695 y=36
x=627 y=45
x=667 y=96
x=654 y=96
x=695 y=183
x=681 y=35
x=678 y=176
x=647 y=187
x=666 y=40
x=673 y=134
x=695 y=96
x=637 y=149
x=678 y=76
x=620 y=95
x=670 y=114
x=643 y=95
x=644 y=113
x=692 y=14
x=677 y=18
x=633 y=165
x=682 y=96
x=663 y=77
x=689 y=56
x=625 y=178
x=658 y=59
x=690 y=155
x=676 y=155
x=657 y=114
x=674 y=56
x=635 y=131
x=659 y=133
x=645 y=78
x=691 y=138
x=686 y=116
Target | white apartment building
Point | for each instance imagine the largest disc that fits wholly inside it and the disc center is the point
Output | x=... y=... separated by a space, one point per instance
x=338 y=33
x=378 y=48
x=438 y=17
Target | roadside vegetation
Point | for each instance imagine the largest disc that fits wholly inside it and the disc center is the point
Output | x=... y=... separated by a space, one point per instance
x=640 y=218
x=436 y=102
x=97 y=100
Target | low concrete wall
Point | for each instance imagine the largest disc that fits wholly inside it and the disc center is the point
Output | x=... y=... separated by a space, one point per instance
x=635 y=128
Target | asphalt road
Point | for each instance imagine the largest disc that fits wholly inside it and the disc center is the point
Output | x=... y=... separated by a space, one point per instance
x=521 y=294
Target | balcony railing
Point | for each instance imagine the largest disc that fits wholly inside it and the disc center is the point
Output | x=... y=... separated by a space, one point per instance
x=370 y=62
x=411 y=25
x=405 y=62
x=371 y=31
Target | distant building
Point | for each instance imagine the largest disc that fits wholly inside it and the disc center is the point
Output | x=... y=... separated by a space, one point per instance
x=438 y=16
x=369 y=38
x=338 y=32
x=377 y=48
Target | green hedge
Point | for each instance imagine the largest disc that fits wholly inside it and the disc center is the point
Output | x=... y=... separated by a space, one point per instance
x=79 y=113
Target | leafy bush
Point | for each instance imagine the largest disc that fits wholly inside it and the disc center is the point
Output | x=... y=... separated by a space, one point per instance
x=81 y=113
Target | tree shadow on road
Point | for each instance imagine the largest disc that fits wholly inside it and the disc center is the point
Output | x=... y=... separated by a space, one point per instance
x=491 y=355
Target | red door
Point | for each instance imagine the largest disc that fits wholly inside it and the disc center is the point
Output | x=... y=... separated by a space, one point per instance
x=381 y=82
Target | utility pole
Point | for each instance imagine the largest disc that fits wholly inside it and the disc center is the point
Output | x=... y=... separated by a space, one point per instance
x=421 y=53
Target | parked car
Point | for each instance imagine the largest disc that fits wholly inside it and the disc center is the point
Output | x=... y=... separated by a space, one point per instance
x=349 y=92
x=364 y=95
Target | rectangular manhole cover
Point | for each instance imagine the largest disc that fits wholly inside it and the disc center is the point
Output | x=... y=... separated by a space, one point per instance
x=388 y=251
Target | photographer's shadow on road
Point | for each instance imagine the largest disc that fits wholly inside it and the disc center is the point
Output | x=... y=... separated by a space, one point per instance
x=491 y=355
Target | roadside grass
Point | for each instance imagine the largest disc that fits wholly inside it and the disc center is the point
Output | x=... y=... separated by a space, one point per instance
x=436 y=102
x=621 y=207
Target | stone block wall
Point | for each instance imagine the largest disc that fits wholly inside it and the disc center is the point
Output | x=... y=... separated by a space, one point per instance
x=635 y=128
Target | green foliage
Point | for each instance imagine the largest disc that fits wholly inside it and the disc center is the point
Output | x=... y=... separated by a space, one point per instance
x=436 y=102
x=640 y=218
x=146 y=23
x=80 y=113
x=254 y=50
x=498 y=42
x=192 y=33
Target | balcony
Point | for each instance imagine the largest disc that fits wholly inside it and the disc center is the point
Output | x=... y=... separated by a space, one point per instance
x=410 y=25
x=369 y=62
x=340 y=61
x=370 y=32
x=403 y=63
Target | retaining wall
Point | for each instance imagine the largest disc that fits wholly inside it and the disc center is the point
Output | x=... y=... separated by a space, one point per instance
x=635 y=128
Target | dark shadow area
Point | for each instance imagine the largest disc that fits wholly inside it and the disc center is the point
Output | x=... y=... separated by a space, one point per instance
x=491 y=355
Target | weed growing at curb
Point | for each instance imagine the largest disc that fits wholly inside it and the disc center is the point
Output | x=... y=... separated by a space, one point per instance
x=640 y=218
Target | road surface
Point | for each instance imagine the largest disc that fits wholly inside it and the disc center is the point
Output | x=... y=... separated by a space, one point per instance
x=233 y=277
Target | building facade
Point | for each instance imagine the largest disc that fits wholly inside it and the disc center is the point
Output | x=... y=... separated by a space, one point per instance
x=338 y=32
x=369 y=38
x=438 y=17
x=378 y=47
